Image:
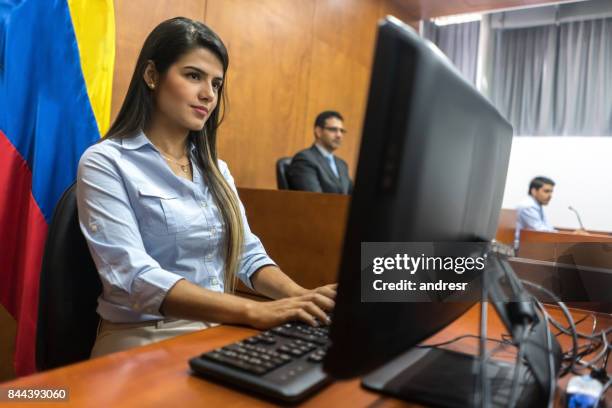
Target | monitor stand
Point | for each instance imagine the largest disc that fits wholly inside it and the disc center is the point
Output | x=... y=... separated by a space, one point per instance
x=446 y=378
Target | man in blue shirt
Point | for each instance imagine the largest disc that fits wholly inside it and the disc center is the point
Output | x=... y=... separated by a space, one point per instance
x=530 y=214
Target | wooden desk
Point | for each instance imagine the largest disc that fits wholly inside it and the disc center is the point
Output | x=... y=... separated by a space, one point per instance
x=529 y=236
x=572 y=264
x=158 y=374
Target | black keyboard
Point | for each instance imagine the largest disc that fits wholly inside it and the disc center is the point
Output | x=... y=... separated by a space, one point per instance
x=283 y=363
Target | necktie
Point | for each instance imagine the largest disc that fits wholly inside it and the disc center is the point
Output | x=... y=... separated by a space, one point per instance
x=332 y=164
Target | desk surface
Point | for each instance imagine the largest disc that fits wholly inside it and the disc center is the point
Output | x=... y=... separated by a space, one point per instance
x=158 y=374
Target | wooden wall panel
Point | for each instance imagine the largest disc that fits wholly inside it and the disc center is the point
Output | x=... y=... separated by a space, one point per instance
x=348 y=26
x=506 y=226
x=341 y=85
x=134 y=20
x=342 y=55
x=302 y=232
x=402 y=11
x=269 y=44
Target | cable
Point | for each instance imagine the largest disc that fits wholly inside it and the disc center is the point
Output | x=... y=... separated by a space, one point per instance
x=602 y=353
x=516 y=370
x=577 y=322
x=551 y=363
x=576 y=355
x=465 y=336
x=568 y=332
x=569 y=318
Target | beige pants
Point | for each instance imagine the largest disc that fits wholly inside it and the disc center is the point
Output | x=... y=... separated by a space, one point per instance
x=114 y=337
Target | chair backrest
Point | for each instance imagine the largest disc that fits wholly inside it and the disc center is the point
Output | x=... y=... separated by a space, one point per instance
x=69 y=289
x=281 y=173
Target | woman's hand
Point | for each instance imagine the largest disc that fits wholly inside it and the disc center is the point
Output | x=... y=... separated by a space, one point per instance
x=310 y=307
x=326 y=290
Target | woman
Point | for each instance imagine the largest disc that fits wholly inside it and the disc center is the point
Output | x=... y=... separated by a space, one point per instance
x=161 y=214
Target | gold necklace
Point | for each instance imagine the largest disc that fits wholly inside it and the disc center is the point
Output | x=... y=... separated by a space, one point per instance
x=185 y=168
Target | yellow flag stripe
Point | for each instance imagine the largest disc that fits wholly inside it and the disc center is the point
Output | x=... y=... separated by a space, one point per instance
x=94 y=26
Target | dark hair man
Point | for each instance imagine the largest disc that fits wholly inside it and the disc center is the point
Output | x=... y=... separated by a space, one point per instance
x=317 y=169
x=530 y=214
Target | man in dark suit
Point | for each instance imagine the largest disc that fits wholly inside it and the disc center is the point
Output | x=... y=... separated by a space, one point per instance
x=317 y=169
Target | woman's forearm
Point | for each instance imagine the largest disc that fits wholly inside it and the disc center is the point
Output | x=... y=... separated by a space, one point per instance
x=186 y=300
x=270 y=281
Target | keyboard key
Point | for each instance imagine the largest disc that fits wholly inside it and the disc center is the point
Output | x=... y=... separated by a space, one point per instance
x=235 y=362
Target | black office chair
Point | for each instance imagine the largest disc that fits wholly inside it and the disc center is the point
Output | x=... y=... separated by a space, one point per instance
x=281 y=173
x=69 y=289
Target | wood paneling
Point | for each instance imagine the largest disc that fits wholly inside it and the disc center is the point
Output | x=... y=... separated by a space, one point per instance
x=269 y=44
x=302 y=232
x=134 y=20
x=402 y=11
x=341 y=85
x=349 y=27
x=506 y=227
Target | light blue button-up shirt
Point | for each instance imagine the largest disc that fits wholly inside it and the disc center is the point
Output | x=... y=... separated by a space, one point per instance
x=530 y=215
x=148 y=228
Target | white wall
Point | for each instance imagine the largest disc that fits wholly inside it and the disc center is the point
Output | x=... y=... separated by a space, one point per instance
x=582 y=170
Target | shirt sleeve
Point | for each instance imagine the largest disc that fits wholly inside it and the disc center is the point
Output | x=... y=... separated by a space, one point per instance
x=529 y=218
x=254 y=255
x=131 y=277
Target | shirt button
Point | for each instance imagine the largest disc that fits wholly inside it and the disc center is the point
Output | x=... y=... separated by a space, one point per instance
x=209 y=257
x=203 y=204
x=94 y=227
x=213 y=230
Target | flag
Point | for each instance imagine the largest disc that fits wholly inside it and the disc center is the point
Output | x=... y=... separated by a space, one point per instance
x=56 y=65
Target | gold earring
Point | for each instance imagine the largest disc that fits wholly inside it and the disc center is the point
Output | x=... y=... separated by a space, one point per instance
x=152 y=85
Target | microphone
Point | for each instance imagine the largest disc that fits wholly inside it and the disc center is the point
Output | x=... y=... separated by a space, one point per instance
x=572 y=209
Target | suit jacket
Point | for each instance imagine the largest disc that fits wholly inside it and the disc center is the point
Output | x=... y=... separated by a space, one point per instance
x=310 y=171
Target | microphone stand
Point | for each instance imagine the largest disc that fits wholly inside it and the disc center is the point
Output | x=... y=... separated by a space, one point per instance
x=572 y=209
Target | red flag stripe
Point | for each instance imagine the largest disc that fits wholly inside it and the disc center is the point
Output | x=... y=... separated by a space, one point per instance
x=23 y=231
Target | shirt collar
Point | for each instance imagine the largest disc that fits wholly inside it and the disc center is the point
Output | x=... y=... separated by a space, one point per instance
x=534 y=201
x=324 y=151
x=136 y=142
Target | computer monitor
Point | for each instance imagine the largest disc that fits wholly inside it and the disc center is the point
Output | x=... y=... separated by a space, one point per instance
x=432 y=168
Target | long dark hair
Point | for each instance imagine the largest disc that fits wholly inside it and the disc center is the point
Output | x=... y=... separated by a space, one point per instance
x=164 y=46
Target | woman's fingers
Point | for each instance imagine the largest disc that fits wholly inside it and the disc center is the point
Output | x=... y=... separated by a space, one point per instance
x=311 y=308
x=303 y=315
x=327 y=290
x=314 y=310
x=320 y=300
